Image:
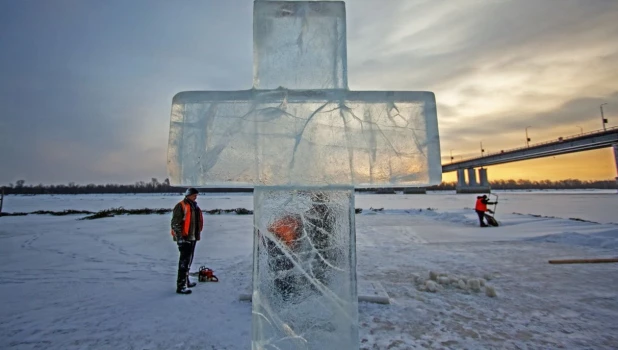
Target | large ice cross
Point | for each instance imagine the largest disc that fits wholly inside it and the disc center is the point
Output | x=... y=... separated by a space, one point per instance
x=304 y=142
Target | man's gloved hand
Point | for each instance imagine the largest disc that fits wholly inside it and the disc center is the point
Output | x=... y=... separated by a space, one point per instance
x=182 y=242
x=179 y=238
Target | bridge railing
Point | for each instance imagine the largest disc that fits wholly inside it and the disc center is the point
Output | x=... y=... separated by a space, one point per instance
x=560 y=139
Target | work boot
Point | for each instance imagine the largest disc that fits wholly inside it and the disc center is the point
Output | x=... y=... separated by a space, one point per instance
x=484 y=225
x=183 y=290
x=190 y=284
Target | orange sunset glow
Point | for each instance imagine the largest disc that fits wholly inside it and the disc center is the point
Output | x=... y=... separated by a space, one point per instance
x=588 y=165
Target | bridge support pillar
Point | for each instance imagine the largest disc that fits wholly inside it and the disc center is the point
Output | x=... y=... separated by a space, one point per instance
x=484 y=182
x=472 y=186
x=461 y=178
x=471 y=177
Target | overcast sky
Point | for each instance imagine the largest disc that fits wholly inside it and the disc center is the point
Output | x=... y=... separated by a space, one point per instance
x=86 y=86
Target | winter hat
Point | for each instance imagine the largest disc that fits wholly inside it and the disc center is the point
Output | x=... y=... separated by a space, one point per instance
x=190 y=191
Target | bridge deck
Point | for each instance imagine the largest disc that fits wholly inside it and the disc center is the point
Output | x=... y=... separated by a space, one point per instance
x=577 y=143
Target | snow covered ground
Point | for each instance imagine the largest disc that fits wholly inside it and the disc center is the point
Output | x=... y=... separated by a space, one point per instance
x=109 y=283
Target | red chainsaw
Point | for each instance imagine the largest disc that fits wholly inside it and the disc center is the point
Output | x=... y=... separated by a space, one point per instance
x=206 y=275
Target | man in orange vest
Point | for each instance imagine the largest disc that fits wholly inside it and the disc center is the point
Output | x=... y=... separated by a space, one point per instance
x=481 y=208
x=187 y=224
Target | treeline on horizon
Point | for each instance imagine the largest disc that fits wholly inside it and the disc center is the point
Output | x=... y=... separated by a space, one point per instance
x=154 y=186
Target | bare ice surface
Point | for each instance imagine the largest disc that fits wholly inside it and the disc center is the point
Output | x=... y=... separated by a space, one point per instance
x=304 y=270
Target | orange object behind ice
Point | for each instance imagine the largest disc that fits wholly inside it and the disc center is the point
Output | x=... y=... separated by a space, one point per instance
x=286 y=229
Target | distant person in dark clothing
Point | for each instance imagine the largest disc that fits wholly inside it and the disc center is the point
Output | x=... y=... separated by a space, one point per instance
x=187 y=225
x=481 y=208
x=306 y=236
x=287 y=230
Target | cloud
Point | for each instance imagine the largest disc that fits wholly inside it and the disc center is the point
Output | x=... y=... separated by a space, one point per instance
x=497 y=67
x=87 y=86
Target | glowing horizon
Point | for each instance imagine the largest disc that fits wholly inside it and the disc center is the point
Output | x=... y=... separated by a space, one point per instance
x=87 y=86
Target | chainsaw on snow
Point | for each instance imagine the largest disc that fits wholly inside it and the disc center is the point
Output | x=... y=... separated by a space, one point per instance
x=206 y=275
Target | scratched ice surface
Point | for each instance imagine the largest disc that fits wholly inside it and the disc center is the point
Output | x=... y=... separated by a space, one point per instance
x=304 y=137
x=304 y=272
x=299 y=45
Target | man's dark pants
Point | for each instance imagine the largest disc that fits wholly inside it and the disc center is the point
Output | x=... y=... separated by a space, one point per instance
x=186 y=249
x=481 y=215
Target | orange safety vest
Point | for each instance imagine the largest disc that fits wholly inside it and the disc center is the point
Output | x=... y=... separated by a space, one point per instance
x=286 y=229
x=186 y=208
x=480 y=206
